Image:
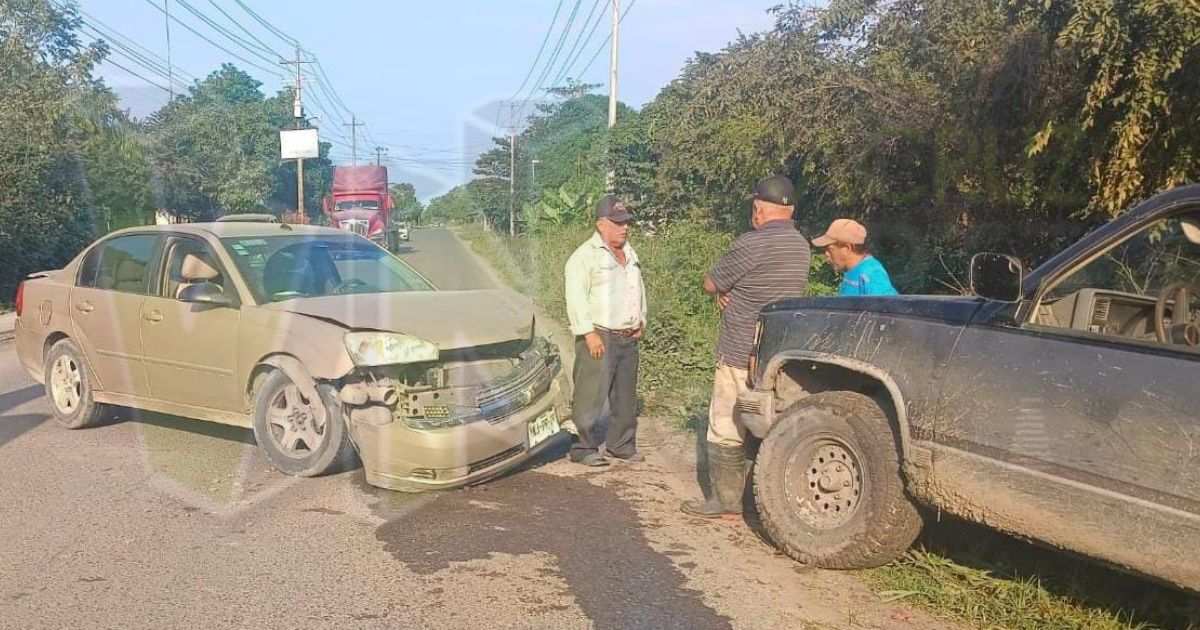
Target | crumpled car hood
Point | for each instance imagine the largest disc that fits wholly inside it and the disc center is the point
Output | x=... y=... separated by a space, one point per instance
x=450 y=320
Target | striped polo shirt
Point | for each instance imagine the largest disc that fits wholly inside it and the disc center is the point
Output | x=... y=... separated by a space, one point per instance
x=764 y=266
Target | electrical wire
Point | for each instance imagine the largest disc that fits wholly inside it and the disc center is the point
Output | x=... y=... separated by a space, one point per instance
x=270 y=71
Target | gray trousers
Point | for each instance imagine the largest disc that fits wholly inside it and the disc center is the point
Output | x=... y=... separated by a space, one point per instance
x=611 y=379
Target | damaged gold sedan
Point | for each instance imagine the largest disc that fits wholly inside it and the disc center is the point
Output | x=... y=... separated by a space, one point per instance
x=327 y=346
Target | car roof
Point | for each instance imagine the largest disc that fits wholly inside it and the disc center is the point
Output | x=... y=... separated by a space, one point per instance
x=238 y=229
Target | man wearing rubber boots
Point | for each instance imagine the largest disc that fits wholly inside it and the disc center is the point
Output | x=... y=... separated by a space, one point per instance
x=764 y=266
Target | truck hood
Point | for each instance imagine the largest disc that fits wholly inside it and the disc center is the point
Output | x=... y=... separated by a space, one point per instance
x=950 y=308
x=450 y=320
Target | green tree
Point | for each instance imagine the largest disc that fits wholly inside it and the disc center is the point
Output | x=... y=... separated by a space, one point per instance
x=117 y=173
x=46 y=90
x=216 y=149
x=404 y=200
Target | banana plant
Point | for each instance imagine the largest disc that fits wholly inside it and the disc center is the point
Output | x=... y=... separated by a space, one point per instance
x=557 y=207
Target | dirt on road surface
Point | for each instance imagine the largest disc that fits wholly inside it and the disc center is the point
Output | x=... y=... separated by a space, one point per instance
x=155 y=522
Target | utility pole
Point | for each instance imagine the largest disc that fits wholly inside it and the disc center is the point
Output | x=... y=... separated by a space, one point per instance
x=170 y=72
x=533 y=164
x=354 y=124
x=612 y=78
x=512 y=180
x=298 y=116
x=379 y=151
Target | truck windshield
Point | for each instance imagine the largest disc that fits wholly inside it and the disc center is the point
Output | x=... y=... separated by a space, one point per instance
x=278 y=268
x=360 y=204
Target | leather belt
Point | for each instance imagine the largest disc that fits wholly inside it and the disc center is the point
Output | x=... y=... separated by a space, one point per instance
x=624 y=332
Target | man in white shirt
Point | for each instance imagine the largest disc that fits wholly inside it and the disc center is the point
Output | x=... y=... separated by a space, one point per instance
x=606 y=306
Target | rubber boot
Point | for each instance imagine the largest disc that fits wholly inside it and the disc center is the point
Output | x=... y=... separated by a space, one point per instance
x=727 y=472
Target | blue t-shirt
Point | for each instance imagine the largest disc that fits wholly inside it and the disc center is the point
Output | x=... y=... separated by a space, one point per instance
x=867 y=278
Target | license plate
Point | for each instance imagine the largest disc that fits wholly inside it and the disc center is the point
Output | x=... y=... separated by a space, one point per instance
x=543 y=427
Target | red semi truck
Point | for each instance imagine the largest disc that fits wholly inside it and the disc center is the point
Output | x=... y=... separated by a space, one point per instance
x=360 y=203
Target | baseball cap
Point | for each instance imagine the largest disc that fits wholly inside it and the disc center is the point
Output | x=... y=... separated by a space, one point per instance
x=846 y=231
x=777 y=190
x=612 y=209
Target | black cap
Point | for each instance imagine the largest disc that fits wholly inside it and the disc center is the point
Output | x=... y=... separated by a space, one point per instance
x=777 y=190
x=612 y=209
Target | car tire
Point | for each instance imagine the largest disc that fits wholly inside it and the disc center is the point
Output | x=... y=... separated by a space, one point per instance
x=69 y=388
x=283 y=421
x=828 y=485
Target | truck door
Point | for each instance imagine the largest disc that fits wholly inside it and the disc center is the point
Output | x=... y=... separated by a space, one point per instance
x=1085 y=389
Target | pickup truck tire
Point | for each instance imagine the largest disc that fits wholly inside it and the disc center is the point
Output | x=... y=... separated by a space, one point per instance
x=828 y=486
x=284 y=428
x=69 y=388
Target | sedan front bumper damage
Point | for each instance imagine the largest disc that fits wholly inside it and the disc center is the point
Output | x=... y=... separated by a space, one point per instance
x=450 y=437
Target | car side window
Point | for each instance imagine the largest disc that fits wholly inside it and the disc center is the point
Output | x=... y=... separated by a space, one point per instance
x=176 y=271
x=1116 y=294
x=120 y=264
x=87 y=268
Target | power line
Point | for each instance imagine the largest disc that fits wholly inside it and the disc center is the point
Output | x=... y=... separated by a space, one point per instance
x=533 y=66
x=541 y=49
x=132 y=55
x=261 y=44
x=606 y=40
x=553 y=56
x=227 y=33
x=322 y=78
x=581 y=45
x=131 y=72
x=113 y=36
x=270 y=71
x=287 y=39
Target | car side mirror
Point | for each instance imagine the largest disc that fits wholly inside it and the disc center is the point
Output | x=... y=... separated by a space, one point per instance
x=997 y=277
x=204 y=293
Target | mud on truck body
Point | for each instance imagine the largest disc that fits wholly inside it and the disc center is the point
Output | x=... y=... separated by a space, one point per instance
x=1060 y=405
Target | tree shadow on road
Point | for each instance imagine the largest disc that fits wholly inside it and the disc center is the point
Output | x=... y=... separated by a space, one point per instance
x=613 y=574
x=14 y=426
x=18 y=397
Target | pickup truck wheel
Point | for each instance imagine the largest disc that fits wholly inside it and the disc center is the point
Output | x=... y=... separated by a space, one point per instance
x=69 y=388
x=288 y=431
x=828 y=485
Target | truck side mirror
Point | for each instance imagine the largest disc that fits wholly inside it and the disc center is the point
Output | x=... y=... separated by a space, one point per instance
x=997 y=277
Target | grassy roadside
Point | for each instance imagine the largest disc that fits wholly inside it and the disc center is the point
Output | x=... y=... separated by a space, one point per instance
x=969 y=573
x=958 y=571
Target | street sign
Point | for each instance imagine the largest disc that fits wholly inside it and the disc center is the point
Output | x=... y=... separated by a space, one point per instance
x=298 y=144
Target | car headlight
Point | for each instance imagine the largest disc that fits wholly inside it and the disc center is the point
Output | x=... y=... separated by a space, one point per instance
x=377 y=348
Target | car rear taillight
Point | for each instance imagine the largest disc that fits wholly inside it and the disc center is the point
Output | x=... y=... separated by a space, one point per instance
x=20 y=302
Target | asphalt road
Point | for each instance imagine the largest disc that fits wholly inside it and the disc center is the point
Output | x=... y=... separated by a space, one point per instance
x=164 y=522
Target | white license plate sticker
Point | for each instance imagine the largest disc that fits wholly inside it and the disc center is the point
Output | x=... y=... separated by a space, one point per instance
x=543 y=427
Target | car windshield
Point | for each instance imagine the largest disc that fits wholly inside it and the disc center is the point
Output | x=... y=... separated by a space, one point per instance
x=362 y=204
x=278 y=268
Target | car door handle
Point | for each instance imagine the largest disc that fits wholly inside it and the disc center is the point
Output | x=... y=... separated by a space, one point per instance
x=85 y=307
x=153 y=316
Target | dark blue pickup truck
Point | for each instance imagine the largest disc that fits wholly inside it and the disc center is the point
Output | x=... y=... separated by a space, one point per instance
x=1060 y=405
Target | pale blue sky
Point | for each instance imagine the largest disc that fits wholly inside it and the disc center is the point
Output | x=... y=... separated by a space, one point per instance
x=425 y=76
